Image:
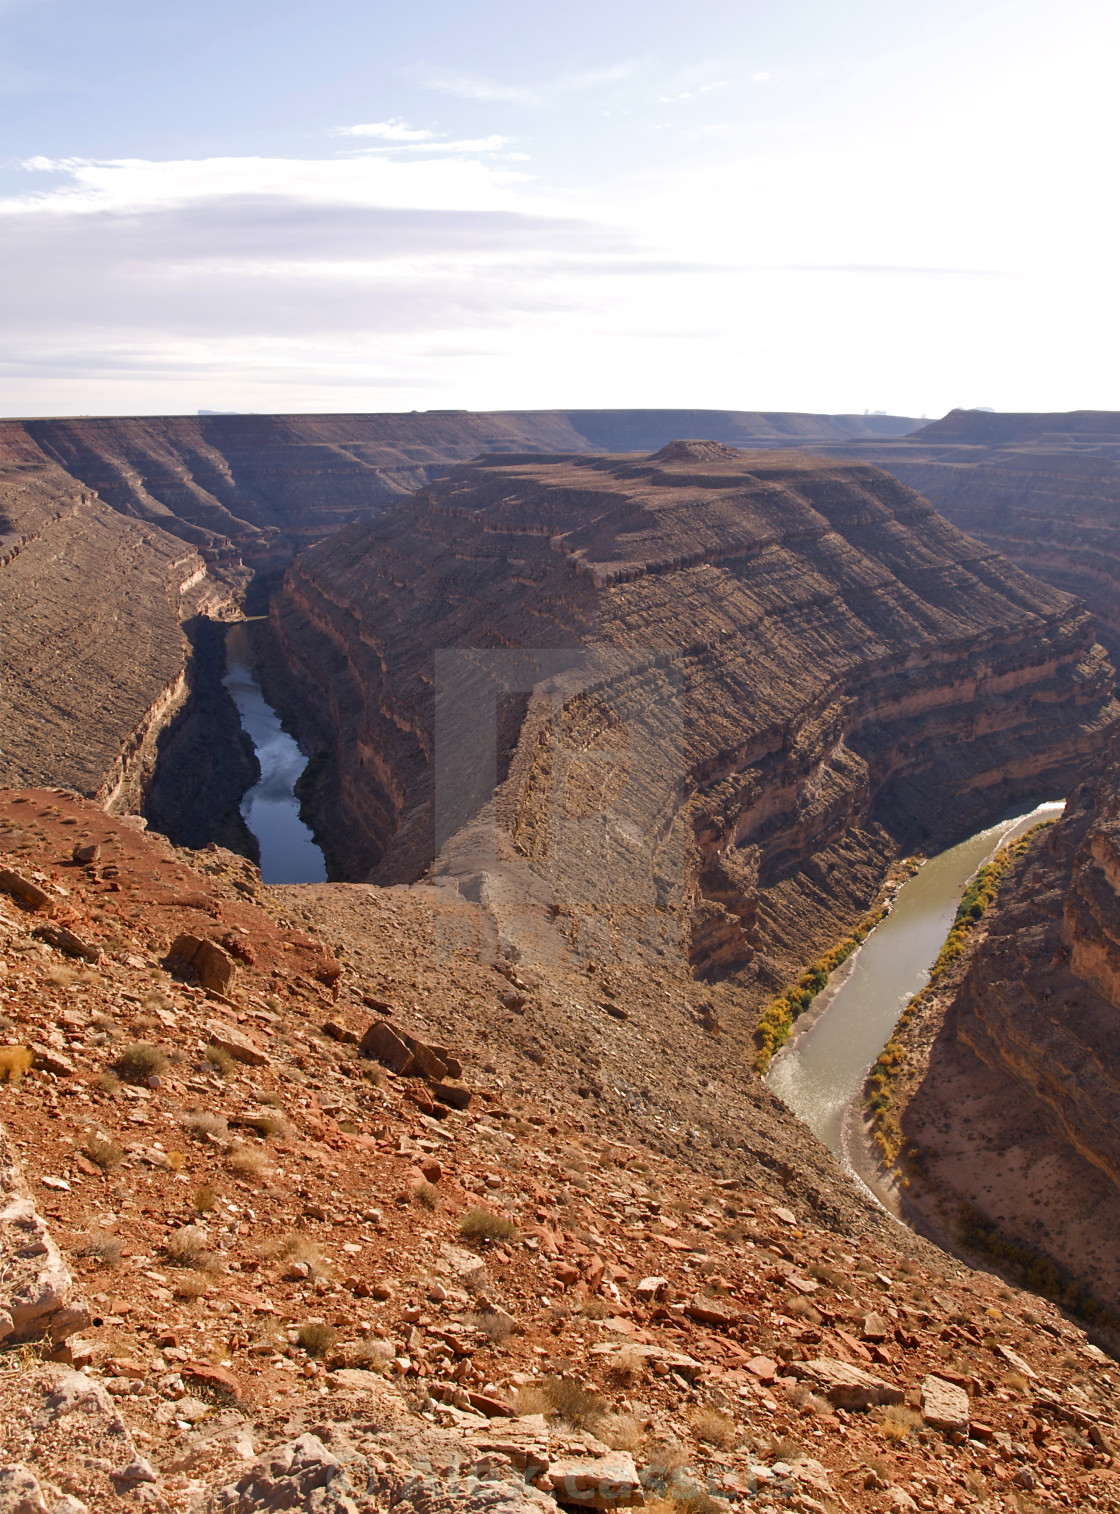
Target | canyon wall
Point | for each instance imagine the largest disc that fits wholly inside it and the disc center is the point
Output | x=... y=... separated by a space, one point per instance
x=1042 y=489
x=1018 y=1113
x=712 y=694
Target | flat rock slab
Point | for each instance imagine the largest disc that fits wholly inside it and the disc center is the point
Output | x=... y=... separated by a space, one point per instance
x=240 y=1046
x=37 y=1296
x=596 y=1482
x=945 y=1406
x=845 y=1386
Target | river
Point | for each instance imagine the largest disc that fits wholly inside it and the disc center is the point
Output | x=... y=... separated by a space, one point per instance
x=270 y=809
x=820 y=1071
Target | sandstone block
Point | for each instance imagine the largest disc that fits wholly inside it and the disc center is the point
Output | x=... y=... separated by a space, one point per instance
x=240 y=1046
x=845 y=1386
x=710 y=1311
x=383 y=1044
x=202 y=959
x=36 y=1289
x=876 y=1328
x=452 y=1094
x=67 y=942
x=86 y=854
x=652 y=1287
x=945 y=1406
x=596 y=1482
x=20 y=1492
x=49 y=1060
x=28 y=893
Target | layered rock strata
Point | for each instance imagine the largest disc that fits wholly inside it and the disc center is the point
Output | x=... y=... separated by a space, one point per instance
x=1017 y=1110
x=716 y=693
x=1042 y=489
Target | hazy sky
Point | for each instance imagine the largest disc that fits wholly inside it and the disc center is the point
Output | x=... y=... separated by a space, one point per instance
x=766 y=204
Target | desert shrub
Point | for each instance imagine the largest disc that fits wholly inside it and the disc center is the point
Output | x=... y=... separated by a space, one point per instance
x=14 y=1062
x=424 y=1193
x=1016 y=1382
x=800 y=1308
x=101 y=1246
x=622 y=1432
x=594 y=1308
x=298 y=1248
x=572 y=1402
x=203 y=1125
x=712 y=1425
x=825 y=1274
x=189 y=1247
x=270 y=1125
x=248 y=1161
x=316 y=1338
x=782 y=1448
x=897 y=1422
x=220 y=1060
x=372 y=1354
x=496 y=1327
x=270 y=1098
x=204 y=1198
x=531 y=1399
x=190 y=1285
x=484 y=1225
x=107 y=1082
x=140 y=1061
x=103 y=1150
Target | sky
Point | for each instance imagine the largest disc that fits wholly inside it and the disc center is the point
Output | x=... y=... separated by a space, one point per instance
x=741 y=204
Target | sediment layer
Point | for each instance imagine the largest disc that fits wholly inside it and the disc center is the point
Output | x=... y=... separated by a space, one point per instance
x=727 y=690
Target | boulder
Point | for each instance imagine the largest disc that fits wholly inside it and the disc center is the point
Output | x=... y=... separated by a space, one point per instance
x=37 y=1296
x=845 y=1386
x=67 y=942
x=240 y=1046
x=29 y=894
x=20 y=1492
x=385 y=1046
x=205 y=960
x=300 y=1474
x=945 y=1406
x=596 y=1482
x=711 y=1311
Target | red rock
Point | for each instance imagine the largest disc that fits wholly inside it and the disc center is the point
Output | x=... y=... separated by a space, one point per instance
x=491 y=1407
x=763 y=1368
x=431 y=1170
x=567 y=1274
x=212 y=1377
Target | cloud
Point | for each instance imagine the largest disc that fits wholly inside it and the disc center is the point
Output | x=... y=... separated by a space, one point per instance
x=394 y=130
x=471 y=87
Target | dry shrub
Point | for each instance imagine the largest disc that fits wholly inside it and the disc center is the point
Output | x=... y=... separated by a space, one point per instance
x=104 y=1151
x=108 y=1082
x=141 y=1061
x=496 y=1327
x=299 y=1248
x=800 y=1308
x=825 y=1274
x=531 y=1399
x=270 y=1125
x=627 y=1365
x=573 y=1403
x=204 y=1198
x=782 y=1448
x=14 y=1062
x=61 y=976
x=716 y=1428
x=271 y=1098
x=190 y=1286
x=316 y=1338
x=176 y=1160
x=1016 y=1382
x=424 y=1193
x=897 y=1423
x=220 y=1060
x=248 y=1161
x=189 y=1247
x=101 y=1246
x=622 y=1432
x=205 y=1126
x=667 y=1457
x=484 y=1225
x=371 y=1354
x=594 y=1308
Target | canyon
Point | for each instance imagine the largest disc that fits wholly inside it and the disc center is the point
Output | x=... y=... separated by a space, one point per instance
x=836 y=676
x=347 y=1188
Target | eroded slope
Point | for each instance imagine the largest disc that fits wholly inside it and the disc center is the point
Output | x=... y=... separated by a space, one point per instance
x=757 y=678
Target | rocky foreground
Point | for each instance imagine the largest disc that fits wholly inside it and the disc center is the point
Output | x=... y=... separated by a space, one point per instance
x=249 y=1265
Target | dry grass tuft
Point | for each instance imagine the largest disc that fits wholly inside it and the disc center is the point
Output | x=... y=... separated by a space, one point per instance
x=205 y=1126
x=267 y=1125
x=108 y=1082
x=104 y=1151
x=713 y=1426
x=316 y=1338
x=628 y=1365
x=572 y=1402
x=496 y=1327
x=189 y=1247
x=299 y=1248
x=248 y=1161
x=190 y=1286
x=622 y=1432
x=101 y=1246
x=424 y=1193
x=141 y=1061
x=204 y=1198
x=14 y=1062
x=220 y=1060
x=782 y=1448
x=484 y=1225
x=897 y=1423
x=800 y=1308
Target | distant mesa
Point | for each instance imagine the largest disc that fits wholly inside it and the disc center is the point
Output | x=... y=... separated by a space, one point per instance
x=695 y=452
